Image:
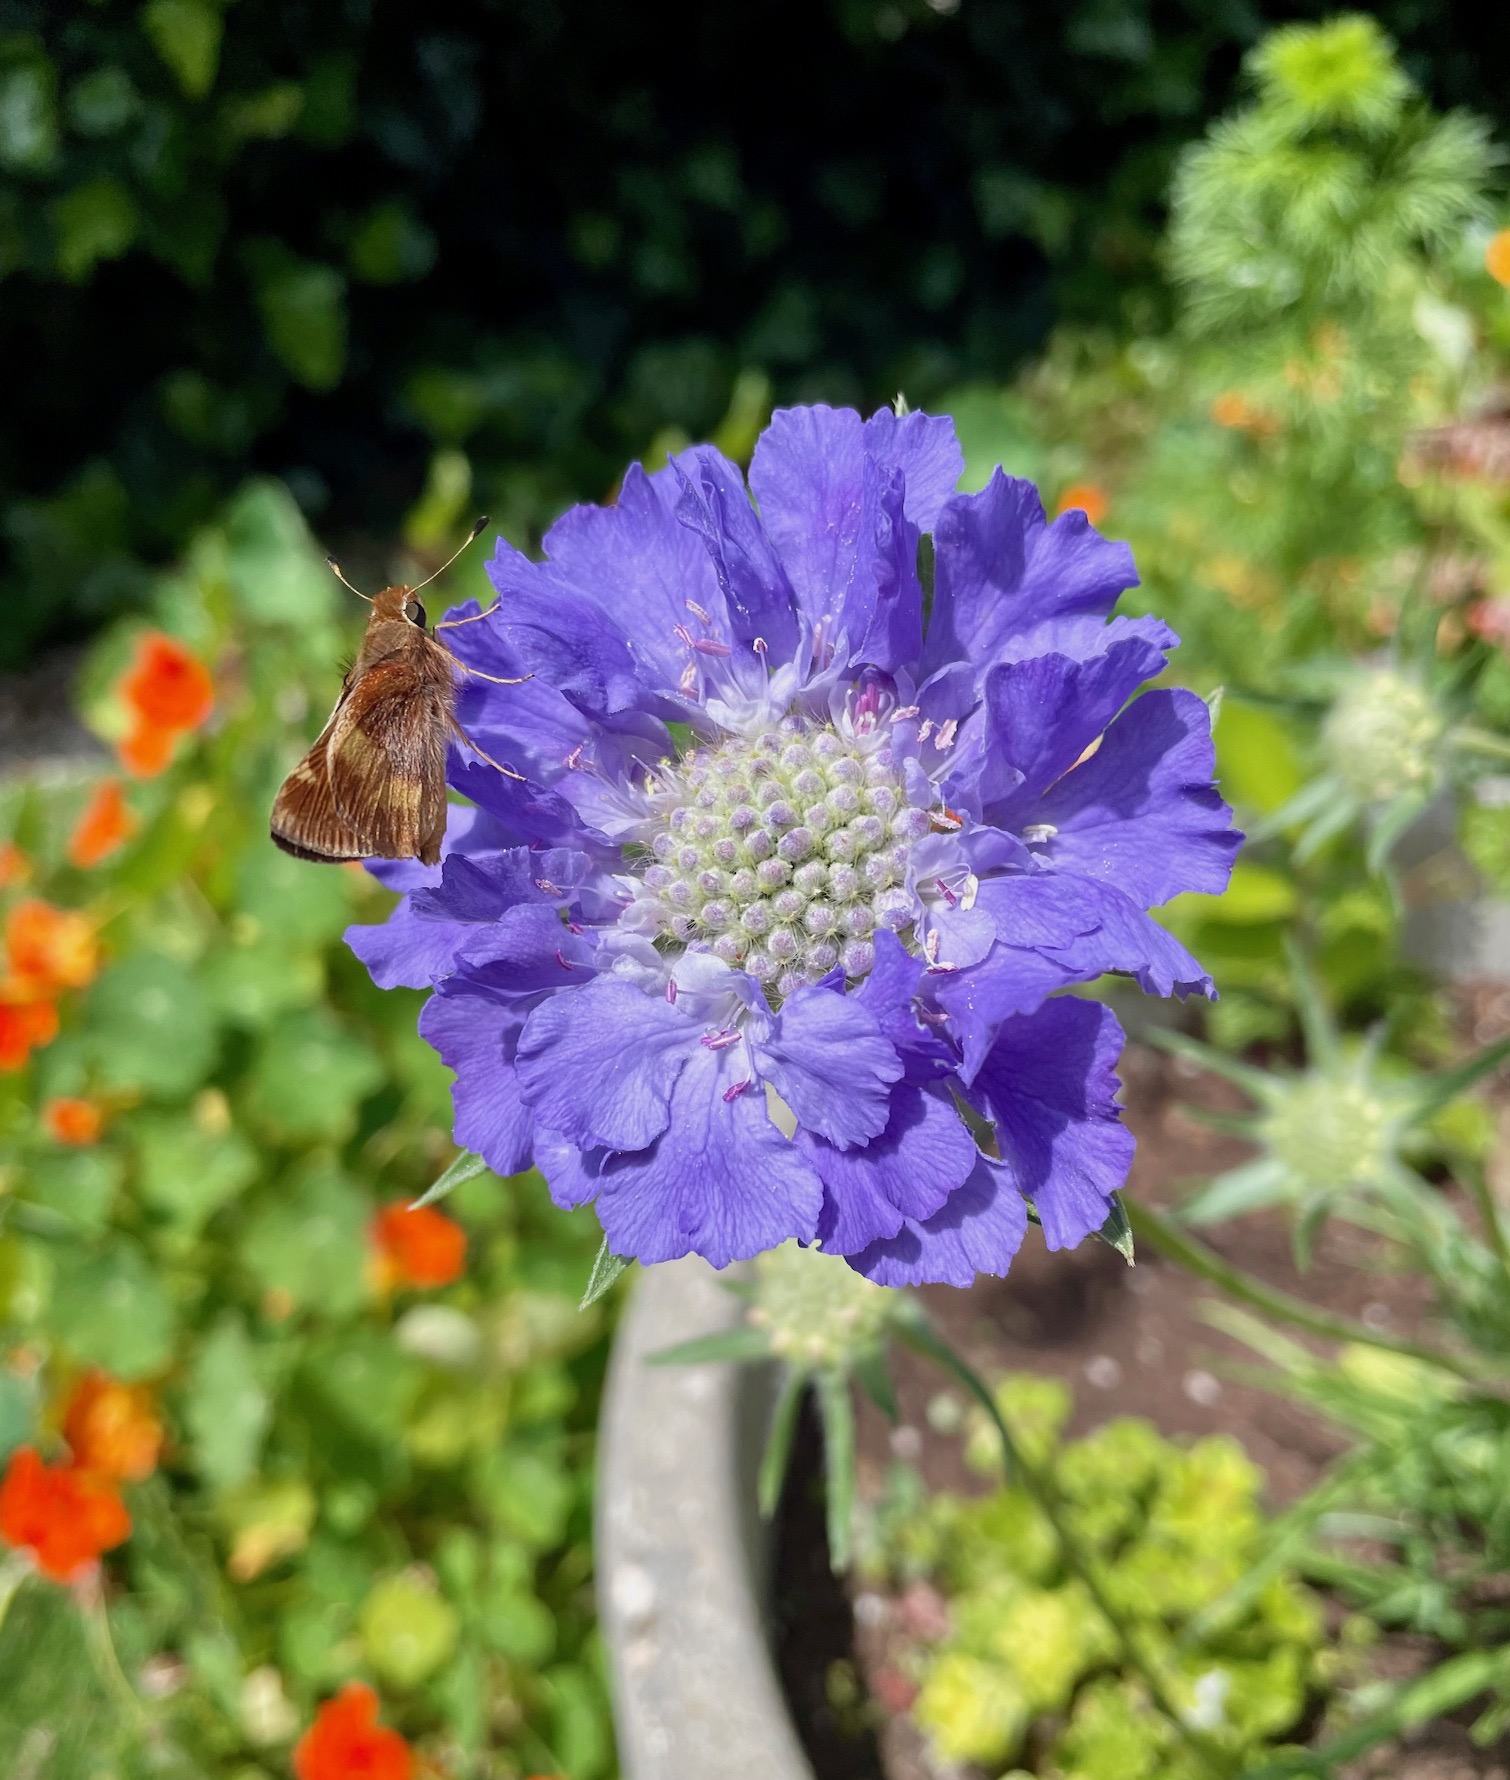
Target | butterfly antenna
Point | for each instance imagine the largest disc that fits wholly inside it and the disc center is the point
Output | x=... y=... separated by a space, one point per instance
x=469 y=539
x=345 y=583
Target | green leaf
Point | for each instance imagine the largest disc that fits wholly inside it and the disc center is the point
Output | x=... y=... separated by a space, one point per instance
x=517 y=1627
x=728 y=1345
x=778 y=1445
x=581 y=1736
x=408 y=1630
x=149 y=1028
x=186 y=1173
x=28 y=116
x=1252 y=1186
x=303 y=308
x=869 y=1372
x=80 y=1185
x=95 y=221
x=226 y=1409
x=1438 y=1090
x=292 y=902
x=110 y=1310
x=466 y=1167
x=276 y=574
x=607 y=1268
x=186 y=34
x=529 y=1495
x=838 y=1413
x=311 y=1243
x=309 y=1076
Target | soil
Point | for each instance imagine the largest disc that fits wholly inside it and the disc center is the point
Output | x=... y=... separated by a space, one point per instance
x=1128 y=1341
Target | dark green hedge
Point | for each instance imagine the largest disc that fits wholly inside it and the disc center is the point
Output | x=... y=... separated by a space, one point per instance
x=324 y=237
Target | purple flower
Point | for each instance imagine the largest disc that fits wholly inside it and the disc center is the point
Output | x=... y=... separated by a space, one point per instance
x=799 y=864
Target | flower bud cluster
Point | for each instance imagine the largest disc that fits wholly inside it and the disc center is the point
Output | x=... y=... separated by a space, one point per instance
x=1381 y=735
x=783 y=853
x=1330 y=1134
x=815 y=1309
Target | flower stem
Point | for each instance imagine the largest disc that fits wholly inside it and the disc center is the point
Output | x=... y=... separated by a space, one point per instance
x=1175 y=1244
x=1041 y=1485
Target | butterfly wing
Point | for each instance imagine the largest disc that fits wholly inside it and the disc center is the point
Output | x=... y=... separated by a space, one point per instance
x=386 y=759
x=373 y=786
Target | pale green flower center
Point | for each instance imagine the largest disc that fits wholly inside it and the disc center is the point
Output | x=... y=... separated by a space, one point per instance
x=783 y=852
x=1329 y=1134
x=1381 y=736
x=816 y=1310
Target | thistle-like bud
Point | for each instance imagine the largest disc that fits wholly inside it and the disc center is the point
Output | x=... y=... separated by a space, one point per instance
x=815 y=1310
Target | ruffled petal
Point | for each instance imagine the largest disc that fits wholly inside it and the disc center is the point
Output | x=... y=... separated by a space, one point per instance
x=475 y=1036
x=1002 y=568
x=978 y=1230
x=1143 y=812
x=643 y=566
x=1050 y=1082
x=1039 y=716
x=830 y=1062
x=600 y=1065
x=721 y=1181
x=921 y=1157
x=543 y=625
x=889 y=995
x=408 y=951
x=1055 y=929
x=756 y=593
x=836 y=500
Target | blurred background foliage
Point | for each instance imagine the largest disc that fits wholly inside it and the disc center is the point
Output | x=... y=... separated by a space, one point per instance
x=332 y=242
x=274 y=270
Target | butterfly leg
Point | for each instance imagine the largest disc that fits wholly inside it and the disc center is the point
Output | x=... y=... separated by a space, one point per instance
x=466 y=741
x=451 y=623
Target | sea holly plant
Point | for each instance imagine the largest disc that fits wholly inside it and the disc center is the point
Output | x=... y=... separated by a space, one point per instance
x=801 y=849
x=1391 y=739
x=1347 y=1135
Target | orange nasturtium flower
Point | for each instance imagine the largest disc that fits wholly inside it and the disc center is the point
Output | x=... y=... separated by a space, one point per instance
x=144 y=751
x=25 y=1026
x=15 y=867
x=48 y=949
x=167 y=686
x=65 y=1517
x=417 y=1246
x=104 y=828
x=346 y=1741
x=112 y=1429
x=74 y=1121
x=1497 y=256
x=1089 y=497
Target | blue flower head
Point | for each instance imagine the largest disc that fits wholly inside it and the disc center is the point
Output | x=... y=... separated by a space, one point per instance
x=801 y=858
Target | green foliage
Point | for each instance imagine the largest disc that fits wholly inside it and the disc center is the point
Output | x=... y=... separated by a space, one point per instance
x=359 y=1481
x=214 y=214
x=1027 y=1656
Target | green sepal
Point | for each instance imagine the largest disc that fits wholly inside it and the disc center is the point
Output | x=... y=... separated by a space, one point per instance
x=1116 y=1232
x=465 y=1167
x=606 y=1270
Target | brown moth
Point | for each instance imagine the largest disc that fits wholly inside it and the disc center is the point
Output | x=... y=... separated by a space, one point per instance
x=373 y=786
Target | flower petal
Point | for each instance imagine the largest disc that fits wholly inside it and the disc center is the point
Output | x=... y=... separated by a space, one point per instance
x=978 y=1230
x=721 y=1181
x=1143 y=811
x=756 y=592
x=1050 y=1083
x=1002 y=568
x=921 y=1157
x=599 y=1065
x=830 y=1062
x=475 y=1036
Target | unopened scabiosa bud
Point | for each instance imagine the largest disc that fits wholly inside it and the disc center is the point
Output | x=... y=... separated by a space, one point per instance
x=791 y=873
x=815 y=1311
x=1381 y=736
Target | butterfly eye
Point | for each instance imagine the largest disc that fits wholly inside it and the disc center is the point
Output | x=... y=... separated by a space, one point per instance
x=415 y=613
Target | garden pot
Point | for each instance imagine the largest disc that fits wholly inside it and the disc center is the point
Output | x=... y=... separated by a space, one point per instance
x=683 y=1558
